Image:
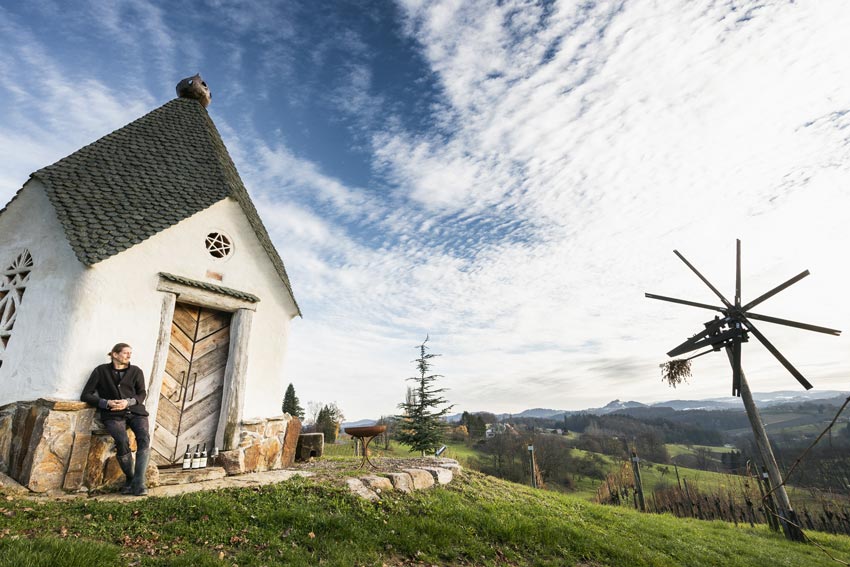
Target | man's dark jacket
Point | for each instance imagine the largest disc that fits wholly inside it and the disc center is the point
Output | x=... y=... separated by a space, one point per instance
x=102 y=386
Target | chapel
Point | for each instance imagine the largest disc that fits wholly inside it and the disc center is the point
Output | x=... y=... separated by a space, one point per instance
x=146 y=236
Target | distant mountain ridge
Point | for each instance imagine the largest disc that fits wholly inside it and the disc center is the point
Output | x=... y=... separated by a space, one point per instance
x=762 y=399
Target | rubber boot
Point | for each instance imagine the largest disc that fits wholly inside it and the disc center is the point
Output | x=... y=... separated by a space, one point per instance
x=138 y=486
x=126 y=463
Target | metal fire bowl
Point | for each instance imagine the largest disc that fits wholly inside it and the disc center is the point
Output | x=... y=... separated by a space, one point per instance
x=368 y=431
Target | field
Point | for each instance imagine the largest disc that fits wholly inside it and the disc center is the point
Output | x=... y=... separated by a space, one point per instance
x=476 y=520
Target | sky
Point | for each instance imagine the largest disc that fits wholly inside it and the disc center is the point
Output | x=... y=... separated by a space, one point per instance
x=506 y=178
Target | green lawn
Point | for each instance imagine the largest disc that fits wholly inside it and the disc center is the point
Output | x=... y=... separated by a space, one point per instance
x=676 y=449
x=476 y=520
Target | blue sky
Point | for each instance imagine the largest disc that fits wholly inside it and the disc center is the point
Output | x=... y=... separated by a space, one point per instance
x=507 y=177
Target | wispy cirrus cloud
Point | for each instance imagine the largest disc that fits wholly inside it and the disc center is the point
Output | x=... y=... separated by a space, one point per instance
x=41 y=100
x=508 y=178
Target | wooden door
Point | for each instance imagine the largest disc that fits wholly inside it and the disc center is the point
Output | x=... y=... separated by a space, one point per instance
x=190 y=398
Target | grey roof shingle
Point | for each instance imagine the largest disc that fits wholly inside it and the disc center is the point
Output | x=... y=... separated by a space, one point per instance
x=145 y=177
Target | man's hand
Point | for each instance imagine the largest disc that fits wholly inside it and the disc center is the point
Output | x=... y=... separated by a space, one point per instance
x=117 y=405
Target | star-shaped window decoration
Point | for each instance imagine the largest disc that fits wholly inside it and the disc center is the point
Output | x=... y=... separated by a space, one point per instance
x=218 y=245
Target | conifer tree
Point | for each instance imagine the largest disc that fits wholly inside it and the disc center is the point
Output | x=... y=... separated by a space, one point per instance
x=421 y=425
x=291 y=404
x=328 y=421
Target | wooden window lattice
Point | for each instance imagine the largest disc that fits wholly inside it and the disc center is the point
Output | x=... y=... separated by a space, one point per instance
x=13 y=284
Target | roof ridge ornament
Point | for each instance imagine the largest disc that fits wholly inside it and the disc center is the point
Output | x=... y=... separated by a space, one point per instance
x=195 y=88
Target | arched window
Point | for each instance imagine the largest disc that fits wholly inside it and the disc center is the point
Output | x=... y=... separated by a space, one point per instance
x=13 y=284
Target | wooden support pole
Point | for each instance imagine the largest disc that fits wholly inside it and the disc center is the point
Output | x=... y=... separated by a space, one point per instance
x=638 y=482
x=787 y=516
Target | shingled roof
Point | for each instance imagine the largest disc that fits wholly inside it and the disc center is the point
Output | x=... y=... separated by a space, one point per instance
x=145 y=177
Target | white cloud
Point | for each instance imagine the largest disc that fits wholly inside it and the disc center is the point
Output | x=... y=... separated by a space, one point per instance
x=48 y=113
x=575 y=146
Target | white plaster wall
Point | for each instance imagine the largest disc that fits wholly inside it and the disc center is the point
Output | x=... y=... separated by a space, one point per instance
x=34 y=362
x=117 y=301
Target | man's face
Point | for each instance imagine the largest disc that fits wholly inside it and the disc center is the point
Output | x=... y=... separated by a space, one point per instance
x=123 y=357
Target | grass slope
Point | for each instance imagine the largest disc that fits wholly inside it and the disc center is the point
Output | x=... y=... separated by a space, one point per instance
x=477 y=520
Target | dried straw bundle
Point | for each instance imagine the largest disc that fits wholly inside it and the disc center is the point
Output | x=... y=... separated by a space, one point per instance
x=674 y=372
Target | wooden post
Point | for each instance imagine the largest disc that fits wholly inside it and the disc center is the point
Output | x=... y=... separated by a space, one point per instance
x=533 y=472
x=787 y=516
x=233 y=394
x=638 y=483
x=691 y=509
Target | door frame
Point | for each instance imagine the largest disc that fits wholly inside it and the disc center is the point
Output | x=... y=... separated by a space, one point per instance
x=203 y=294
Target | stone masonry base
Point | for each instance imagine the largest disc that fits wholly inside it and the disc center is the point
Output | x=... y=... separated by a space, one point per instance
x=50 y=444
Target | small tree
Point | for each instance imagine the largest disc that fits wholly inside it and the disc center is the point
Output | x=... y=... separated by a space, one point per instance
x=291 y=405
x=328 y=421
x=421 y=425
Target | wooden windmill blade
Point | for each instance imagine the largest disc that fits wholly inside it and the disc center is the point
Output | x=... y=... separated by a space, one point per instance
x=683 y=301
x=703 y=278
x=775 y=352
x=796 y=324
x=738 y=273
x=775 y=290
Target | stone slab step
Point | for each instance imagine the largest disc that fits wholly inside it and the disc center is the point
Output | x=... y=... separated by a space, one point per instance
x=171 y=477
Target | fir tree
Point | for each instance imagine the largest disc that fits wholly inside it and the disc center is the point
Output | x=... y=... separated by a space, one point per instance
x=328 y=422
x=421 y=425
x=291 y=404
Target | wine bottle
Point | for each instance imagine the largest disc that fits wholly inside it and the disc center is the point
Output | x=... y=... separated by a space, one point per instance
x=196 y=459
x=187 y=459
x=204 y=457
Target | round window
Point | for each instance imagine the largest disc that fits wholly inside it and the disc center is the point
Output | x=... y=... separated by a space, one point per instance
x=218 y=245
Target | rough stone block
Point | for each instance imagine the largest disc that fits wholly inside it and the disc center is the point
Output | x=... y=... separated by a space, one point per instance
x=252 y=458
x=7 y=417
x=257 y=426
x=310 y=445
x=232 y=461
x=377 y=483
x=9 y=485
x=276 y=426
x=290 y=442
x=99 y=449
x=248 y=438
x=441 y=475
x=102 y=468
x=401 y=481
x=75 y=472
x=55 y=404
x=356 y=486
x=26 y=425
x=271 y=453
x=112 y=473
x=421 y=478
